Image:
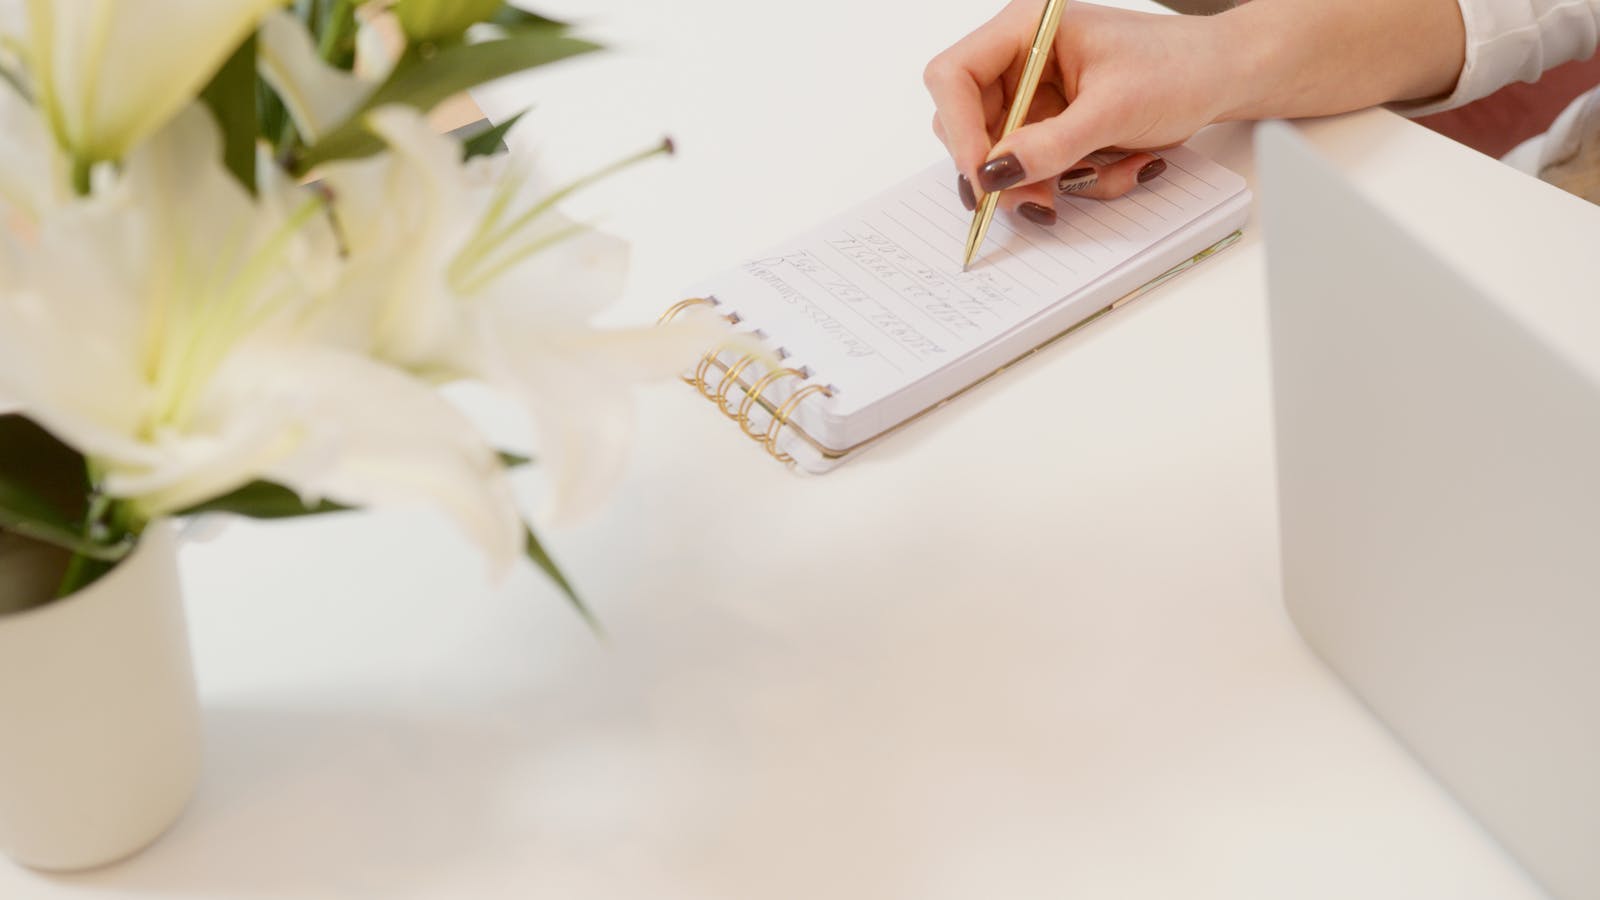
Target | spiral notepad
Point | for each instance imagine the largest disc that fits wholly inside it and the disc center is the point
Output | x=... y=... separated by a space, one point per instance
x=870 y=321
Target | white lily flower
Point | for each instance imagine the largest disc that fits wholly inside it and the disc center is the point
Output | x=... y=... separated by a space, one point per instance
x=456 y=275
x=108 y=73
x=156 y=327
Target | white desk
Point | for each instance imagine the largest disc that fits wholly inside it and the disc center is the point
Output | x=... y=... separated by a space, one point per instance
x=1032 y=647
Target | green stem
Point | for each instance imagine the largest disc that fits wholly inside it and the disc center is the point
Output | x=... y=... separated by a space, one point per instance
x=285 y=147
x=82 y=569
x=81 y=169
x=335 y=28
x=125 y=521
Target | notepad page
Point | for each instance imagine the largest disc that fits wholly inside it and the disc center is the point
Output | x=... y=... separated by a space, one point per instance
x=874 y=300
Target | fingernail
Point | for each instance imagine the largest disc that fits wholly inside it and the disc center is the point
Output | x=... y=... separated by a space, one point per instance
x=1037 y=213
x=999 y=174
x=1076 y=180
x=1152 y=169
x=964 y=188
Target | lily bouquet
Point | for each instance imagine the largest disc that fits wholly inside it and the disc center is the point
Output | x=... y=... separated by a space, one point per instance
x=237 y=265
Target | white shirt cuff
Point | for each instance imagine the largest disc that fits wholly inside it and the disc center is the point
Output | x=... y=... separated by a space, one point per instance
x=1514 y=40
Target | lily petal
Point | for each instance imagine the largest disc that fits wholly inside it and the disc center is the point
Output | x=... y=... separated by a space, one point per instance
x=379 y=42
x=111 y=73
x=578 y=388
x=570 y=280
x=33 y=174
x=380 y=438
x=212 y=457
x=404 y=215
x=318 y=96
x=74 y=376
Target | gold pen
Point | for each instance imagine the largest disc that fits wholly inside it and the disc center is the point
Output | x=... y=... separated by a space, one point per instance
x=1032 y=70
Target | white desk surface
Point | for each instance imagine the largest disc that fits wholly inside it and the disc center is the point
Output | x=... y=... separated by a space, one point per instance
x=1032 y=647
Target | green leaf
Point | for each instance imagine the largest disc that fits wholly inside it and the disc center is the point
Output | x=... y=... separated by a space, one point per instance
x=264 y=500
x=514 y=460
x=26 y=513
x=231 y=95
x=541 y=558
x=465 y=66
x=336 y=35
x=423 y=82
x=491 y=140
x=512 y=18
x=270 y=111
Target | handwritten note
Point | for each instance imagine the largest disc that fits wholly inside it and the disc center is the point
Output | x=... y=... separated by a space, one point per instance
x=875 y=299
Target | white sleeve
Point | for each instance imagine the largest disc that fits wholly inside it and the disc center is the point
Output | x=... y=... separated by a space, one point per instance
x=1515 y=40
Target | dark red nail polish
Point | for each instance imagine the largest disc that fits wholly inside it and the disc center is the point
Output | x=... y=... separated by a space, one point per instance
x=964 y=188
x=1152 y=169
x=1076 y=180
x=999 y=174
x=1037 y=213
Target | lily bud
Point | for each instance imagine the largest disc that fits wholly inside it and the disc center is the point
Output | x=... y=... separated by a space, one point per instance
x=442 y=20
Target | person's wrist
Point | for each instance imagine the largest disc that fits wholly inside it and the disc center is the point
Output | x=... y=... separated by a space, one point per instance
x=1247 y=56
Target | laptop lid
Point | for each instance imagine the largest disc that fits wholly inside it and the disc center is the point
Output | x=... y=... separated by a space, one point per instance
x=1439 y=493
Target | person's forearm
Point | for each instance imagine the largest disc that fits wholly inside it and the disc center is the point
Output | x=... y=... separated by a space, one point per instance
x=1295 y=58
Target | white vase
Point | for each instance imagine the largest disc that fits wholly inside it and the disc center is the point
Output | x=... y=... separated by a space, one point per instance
x=99 y=723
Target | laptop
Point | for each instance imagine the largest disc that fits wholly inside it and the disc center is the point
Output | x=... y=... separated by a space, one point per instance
x=1439 y=497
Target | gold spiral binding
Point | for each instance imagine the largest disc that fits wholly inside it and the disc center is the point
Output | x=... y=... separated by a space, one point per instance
x=753 y=395
x=673 y=311
x=729 y=378
x=698 y=379
x=703 y=369
x=781 y=418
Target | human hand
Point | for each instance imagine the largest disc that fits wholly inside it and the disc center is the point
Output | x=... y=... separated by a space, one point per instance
x=1118 y=80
